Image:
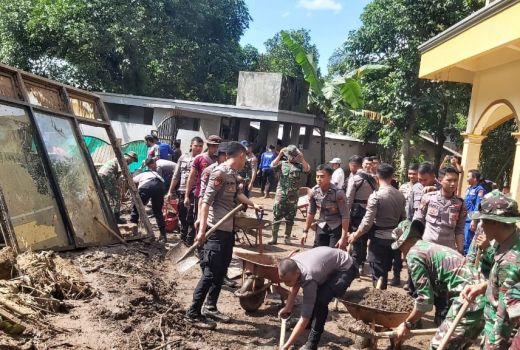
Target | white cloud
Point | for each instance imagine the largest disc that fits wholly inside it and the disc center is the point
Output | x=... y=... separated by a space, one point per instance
x=286 y=14
x=321 y=5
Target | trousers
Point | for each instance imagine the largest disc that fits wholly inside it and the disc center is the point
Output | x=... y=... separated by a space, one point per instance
x=359 y=249
x=187 y=219
x=335 y=286
x=152 y=190
x=215 y=257
x=325 y=237
x=380 y=256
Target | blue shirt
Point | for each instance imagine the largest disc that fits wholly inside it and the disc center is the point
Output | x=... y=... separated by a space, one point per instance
x=473 y=196
x=164 y=150
x=266 y=159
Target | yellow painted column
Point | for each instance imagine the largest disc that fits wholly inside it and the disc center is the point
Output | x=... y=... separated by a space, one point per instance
x=470 y=157
x=515 y=177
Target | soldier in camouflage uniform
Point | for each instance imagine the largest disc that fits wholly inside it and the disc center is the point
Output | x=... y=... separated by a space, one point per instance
x=437 y=270
x=109 y=175
x=513 y=310
x=248 y=172
x=499 y=215
x=286 y=198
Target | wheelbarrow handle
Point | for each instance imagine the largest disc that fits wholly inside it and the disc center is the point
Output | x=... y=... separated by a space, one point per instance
x=211 y=231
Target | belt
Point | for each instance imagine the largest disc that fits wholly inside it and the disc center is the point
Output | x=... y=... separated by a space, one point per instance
x=359 y=201
x=379 y=228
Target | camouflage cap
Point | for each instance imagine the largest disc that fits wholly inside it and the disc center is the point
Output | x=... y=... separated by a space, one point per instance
x=132 y=154
x=405 y=230
x=496 y=206
x=292 y=151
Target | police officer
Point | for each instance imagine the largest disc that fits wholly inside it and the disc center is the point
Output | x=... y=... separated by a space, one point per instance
x=474 y=194
x=150 y=185
x=180 y=178
x=406 y=188
x=286 y=198
x=109 y=175
x=426 y=179
x=219 y=199
x=438 y=270
x=166 y=168
x=328 y=202
x=359 y=187
x=384 y=211
x=444 y=215
x=499 y=215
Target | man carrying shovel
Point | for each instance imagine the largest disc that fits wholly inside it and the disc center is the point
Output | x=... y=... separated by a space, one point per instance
x=499 y=215
x=436 y=270
x=221 y=193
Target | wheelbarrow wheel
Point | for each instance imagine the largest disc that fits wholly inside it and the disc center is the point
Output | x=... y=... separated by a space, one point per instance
x=253 y=302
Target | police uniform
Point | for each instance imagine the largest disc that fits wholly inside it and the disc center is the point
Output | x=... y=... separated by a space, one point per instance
x=216 y=253
x=150 y=186
x=384 y=211
x=286 y=198
x=359 y=187
x=166 y=168
x=436 y=271
x=444 y=219
x=200 y=162
x=473 y=196
x=331 y=209
x=186 y=215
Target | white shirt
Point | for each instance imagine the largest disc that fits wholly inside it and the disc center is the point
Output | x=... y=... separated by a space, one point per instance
x=146 y=176
x=338 y=177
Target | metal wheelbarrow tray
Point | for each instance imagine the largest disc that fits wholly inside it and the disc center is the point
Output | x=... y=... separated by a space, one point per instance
x=387 y=319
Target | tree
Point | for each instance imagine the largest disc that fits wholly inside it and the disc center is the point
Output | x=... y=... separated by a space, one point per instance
x=390 y=34
x=167 y=48
x=279 y=57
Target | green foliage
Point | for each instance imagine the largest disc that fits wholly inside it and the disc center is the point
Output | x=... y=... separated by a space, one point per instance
x=497 y=154
x=167 y=48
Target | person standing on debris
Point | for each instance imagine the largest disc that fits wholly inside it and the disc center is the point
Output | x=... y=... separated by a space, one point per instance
x=109 y=175
x=323 y=273
x=150 y=185
x=426 y=179
x=360 y=186
x=474 y=194
x=268 y=176
x=166 y=168
x=328 y=202
x=286 y=198
x=438 y=270
x=384 y=211
x=248 y=173
x=177 y=153
x=201 y=162
x=219 y=199
x=180 y=178
x=338 y=176
x=499 y=215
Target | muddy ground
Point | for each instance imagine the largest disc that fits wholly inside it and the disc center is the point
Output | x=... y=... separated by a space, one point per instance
x=140 y=301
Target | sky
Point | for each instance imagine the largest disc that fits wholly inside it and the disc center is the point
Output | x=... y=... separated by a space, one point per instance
x=329 y=21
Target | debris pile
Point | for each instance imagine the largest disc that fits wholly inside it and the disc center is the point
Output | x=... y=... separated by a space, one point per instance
x=361 y=328
x=385 y=300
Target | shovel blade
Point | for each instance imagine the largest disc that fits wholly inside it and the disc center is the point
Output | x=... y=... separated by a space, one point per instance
x=187 y=263
x=177 y=252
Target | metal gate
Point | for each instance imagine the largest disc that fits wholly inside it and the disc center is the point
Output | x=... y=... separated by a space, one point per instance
x=167 y=130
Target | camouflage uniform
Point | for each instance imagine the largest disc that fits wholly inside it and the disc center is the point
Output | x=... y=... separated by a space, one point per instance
x=438 y=270
x=513 y=310
x=504 y=275
x=487 y=256
x=286 y=198
x=109 y=175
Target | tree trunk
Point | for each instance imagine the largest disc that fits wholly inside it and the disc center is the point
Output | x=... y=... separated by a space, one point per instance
x=405 y=145
x=440 y=136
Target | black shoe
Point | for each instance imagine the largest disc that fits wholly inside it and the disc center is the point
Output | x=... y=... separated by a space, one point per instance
x=200 y=322
x=309 y=346
x=215 y=314
x=230 y=283
x=395 y=282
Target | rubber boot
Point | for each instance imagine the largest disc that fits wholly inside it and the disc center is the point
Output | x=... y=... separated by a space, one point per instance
x=288 y=232
x=276 y=229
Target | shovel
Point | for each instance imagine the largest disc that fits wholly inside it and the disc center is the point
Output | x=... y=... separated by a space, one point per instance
x=393 y=334
x=184 y=257
x=282 y=331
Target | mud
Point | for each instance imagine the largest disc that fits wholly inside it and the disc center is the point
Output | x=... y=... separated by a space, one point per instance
x=361 y=328
x=391 y=300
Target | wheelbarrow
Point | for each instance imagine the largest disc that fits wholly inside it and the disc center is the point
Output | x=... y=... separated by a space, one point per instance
x=253 y=226
x=259 y=274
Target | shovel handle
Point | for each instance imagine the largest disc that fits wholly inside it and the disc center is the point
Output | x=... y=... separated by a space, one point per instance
x=282 y=332
x=393 y=334
x=112 y=232
x=211 y=231
x=460 y=314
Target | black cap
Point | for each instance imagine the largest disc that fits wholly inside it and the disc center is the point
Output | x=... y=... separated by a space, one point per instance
x=149 y=161
x=222 y=147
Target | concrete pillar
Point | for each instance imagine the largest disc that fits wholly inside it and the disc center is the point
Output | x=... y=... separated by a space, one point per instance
x=262 y=135
x=243 y=129
x=295 y=134
x=309 y=130
x=470 y=155
x=286 y=135
x=272 y=133
x=515 y=177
